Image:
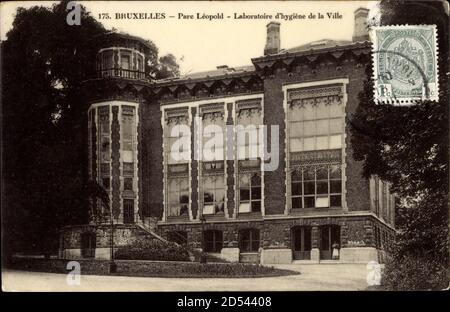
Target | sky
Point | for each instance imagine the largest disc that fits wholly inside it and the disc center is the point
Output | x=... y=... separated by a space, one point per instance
x=200 y=44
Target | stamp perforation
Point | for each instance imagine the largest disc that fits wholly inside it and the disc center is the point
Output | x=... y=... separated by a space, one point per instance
x=405 y=100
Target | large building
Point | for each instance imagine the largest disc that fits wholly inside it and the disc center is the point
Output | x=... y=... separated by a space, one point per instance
x=307 y=198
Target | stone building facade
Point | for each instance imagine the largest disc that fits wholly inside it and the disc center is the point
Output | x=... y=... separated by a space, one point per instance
x=231 y=205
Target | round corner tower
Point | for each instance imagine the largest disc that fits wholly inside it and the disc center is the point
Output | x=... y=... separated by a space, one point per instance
x=113 y=122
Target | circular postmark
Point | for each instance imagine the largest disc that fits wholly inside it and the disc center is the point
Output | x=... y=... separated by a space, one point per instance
x=405 y=63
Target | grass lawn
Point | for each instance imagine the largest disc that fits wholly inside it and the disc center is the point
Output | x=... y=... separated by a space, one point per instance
x=152 y=268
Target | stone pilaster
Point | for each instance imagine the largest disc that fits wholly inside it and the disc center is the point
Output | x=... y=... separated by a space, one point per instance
x=230 y=165
x=115 y=158
x=194 y=169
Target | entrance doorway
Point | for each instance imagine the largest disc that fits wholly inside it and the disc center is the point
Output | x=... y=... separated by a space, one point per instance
x=329 y=235
x=301 y=242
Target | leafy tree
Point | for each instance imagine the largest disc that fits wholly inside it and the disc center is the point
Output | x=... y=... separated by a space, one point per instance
x=408 y=146
x=45 y=183
x=168 y=66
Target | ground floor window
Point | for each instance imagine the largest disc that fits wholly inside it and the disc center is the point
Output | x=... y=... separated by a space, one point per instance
x=213 y=240
x=249 y=240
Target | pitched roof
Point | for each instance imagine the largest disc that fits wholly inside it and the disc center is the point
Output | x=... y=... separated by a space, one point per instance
x=225 y=70
x=317 y=45
x=219 y=71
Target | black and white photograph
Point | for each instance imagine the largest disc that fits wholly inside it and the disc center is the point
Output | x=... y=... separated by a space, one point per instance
x=224 y=146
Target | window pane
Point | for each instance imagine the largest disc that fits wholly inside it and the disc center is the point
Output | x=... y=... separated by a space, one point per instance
x=322 y=127
x=174 y=209
x=309 y=202
x=335 y=172
x=335 y=141
x=256 y=180
x=309 y=129
x=296 y=145
x=297 y=203
x=127 y=156
x=255 y=245
x=335 y=186
x=245 y=246
x=244 y=180
x=127 y=146
x=125 y=61
x=244 y=207
x=322 y=187
x=309 y=174
x=322 y=143
x=105 y=183
x=244 y=194
x=218 y=208
x=173 y=198
x=308 y=112
x=335 y=110
x=184 y=198
x=184 y=184
x=322 y=173
x=128 y=184
x=208 y=182
x=335 y=200
x=256 y=192
x=296 y=129
x=309 y=187
x=208 y=209
x=296 y=113
x=220 y=195
x=322 y=202
x=336 y=125
x=208 y=197
x=256 y=206
x=296 y=175
x=322 y=110
x=309 y=144
x=184 y=210
x=296 y=188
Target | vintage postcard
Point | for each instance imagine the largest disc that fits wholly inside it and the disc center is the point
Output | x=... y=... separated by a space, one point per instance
x=224 y=146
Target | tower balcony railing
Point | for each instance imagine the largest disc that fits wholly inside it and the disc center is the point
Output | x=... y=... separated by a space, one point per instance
x=122 y=73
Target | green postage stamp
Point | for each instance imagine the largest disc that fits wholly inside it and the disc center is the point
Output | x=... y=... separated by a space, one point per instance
x=405 y=63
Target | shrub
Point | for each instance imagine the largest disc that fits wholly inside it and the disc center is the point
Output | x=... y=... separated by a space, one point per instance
x=414 y=273
x=152 y=249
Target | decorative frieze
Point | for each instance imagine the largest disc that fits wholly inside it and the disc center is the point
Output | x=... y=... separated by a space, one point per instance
x=326 y=95
x=177 y=117
x=312 y=157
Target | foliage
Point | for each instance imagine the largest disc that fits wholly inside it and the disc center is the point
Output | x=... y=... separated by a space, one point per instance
x=152 y=249
x=408 y=146
x=414 y=273
x=45 y=125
